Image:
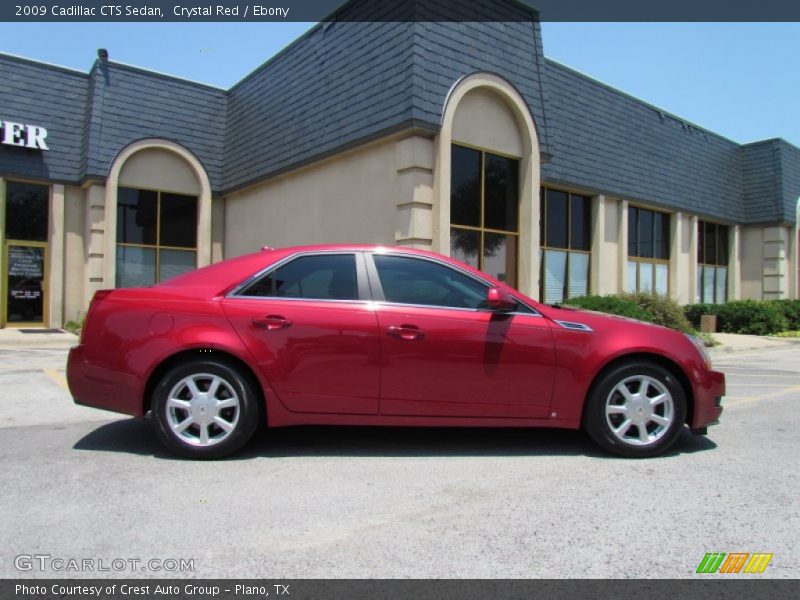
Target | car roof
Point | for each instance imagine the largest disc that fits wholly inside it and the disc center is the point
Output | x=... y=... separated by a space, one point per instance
x=219 y=277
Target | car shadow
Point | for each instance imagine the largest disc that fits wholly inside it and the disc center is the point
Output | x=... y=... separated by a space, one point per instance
x=134 y=436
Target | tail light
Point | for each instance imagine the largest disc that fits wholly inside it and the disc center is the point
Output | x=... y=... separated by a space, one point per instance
x=98 y=297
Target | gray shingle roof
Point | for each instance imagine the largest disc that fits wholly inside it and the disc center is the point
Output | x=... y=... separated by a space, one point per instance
x=605 y=140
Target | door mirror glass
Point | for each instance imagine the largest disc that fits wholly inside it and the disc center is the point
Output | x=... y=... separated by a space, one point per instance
x=499 y=299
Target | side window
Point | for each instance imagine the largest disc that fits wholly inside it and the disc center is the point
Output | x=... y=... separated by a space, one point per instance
x=320 y=277
x=416 y=281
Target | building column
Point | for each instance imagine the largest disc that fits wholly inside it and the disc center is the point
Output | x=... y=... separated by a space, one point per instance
x=677 y=276
x=55 y=268
x=94 y=241
x=622 y=247
x=413 y=192
x=693 y=291
x=735 y=263
x=775 y=269
x=604 y=268
x=217 y=229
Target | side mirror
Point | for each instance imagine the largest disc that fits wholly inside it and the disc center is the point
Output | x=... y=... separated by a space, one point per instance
x=499 y=299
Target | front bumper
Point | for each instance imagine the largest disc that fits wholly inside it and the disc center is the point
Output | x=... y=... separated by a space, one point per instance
x=708 y=394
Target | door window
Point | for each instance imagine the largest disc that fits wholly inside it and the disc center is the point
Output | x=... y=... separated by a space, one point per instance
x=417 y=281
x=316 y=277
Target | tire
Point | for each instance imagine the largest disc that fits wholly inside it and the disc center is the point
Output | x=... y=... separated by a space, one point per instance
x=631 y=424
x=193 y=420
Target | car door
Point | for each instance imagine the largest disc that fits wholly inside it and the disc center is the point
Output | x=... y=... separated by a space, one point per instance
x=446 y=354
x=313 y=333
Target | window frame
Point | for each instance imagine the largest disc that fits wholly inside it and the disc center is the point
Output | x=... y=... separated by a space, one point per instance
x=362 y=280
x=481 y=230
x=544 y=247
x=652 y=261
x=702 y=264
x=158 y=247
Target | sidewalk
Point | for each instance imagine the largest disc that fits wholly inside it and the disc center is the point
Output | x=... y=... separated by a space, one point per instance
x=734 y=342
x=11 y=338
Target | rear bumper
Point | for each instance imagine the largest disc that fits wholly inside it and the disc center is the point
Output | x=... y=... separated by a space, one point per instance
x=100 y=387
x=708 y=394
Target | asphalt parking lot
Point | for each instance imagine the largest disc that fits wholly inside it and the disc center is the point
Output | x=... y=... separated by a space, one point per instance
x=434 y=503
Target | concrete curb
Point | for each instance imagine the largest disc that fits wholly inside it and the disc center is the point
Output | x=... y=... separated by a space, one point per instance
x=731 y=342
x=13 y=339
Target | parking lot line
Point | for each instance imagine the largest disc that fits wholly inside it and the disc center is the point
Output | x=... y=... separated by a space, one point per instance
x=58 y=377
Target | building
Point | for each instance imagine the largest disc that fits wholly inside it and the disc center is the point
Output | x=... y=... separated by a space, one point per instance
x=459 y=137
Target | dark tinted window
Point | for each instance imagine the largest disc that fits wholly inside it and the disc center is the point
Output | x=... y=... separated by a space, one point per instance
x=320 y=277
x=137 y=216
x=502 y=199
x=579 y=222
x=633 y=232
x=648 y=233
x=661 y=235
x=178 y=220
x=27 y=208
x=465 y=187
x=722 y=245
x=556 y=228
x=712 y=244
x=417 y=281
x=645 y=234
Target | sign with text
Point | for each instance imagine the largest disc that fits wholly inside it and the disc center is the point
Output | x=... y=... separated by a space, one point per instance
x=23 y=135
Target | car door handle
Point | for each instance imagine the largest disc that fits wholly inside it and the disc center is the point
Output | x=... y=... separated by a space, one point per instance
x=405 y=332
x=271 y=322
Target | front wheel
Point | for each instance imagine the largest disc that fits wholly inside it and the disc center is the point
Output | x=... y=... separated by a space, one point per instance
x=205 y=409
x=636 y=410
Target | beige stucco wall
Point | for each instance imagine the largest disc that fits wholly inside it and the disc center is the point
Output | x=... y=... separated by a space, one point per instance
x=347 y=199
x=484 y=120
x=767 y=262
x=683 y=260
x=159 y=169
x=752 y=259
x=604 y=263
x=74 y=253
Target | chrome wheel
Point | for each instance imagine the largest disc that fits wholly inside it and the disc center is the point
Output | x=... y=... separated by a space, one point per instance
x=203 y=409
x=639 y=410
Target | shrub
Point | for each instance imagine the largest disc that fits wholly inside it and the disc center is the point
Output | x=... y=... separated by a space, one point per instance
x=612 y=305
x=791 y=310
x=662 y=310
x=751 y=317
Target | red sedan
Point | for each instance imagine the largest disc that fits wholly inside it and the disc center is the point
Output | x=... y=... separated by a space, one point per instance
x=365 y=335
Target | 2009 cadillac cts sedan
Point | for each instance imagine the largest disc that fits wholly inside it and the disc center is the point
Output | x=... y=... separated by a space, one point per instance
x=365 y=335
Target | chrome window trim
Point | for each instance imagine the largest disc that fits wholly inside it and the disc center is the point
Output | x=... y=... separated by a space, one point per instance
x=457 y=308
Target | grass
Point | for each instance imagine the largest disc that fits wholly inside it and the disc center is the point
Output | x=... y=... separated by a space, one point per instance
x=788 y=334
x=709 y=340
x=74 y=327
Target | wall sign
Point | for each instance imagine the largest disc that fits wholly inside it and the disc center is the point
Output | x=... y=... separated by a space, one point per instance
x=23 y=135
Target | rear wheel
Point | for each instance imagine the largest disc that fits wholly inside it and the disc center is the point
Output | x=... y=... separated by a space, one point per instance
x=636 y=410
x=205 y=409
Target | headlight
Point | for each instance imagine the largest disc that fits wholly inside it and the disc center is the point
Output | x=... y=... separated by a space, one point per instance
x=701 y=348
